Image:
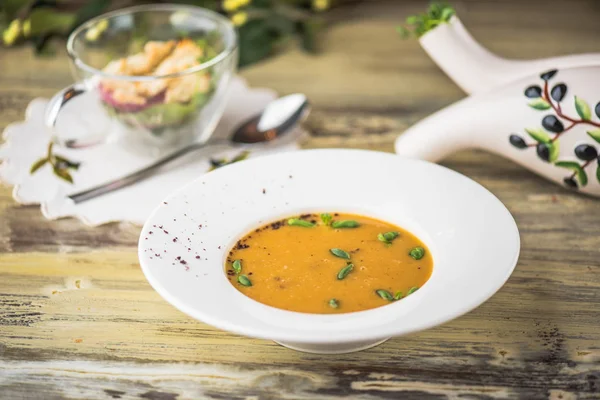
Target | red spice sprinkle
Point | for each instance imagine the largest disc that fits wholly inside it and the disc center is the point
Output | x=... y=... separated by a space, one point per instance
x=189 y=249
x=219 y=247
x=174 y=239
x=150 y=232
x=197 y=257
x=164 y=202
x=183 y=262
x=146 y=238
x=157 y=254
x=200 y=226
x=178 y=258
x=264 y=191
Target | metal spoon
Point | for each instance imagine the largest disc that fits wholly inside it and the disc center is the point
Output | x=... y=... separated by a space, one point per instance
x=276 y=120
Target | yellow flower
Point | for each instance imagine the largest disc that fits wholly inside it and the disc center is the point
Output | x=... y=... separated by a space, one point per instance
x=11 y=34
x=239 y=18
x=232 y=5
x=27 y=27
x=320 y=5
x=93 y=33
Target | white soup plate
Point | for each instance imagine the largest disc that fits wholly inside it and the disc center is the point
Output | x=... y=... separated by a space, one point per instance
x=473 y=239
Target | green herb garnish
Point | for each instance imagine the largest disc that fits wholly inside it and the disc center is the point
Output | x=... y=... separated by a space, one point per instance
x=244 y=280
x=345 y=271
x=345 y=224
x=300 y=222
x=417 y=253
x=326 y=218
x=333 y=303
x=417 y=25
x=340 y=253
x=412 y=290
x=387 y=237
x=237 y=266
x=384 y=294
x=398 y=296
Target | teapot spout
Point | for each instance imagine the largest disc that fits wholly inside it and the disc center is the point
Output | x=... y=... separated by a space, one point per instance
x=475 y=69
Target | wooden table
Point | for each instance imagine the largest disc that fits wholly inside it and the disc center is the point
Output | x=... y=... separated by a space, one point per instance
x=79 y=321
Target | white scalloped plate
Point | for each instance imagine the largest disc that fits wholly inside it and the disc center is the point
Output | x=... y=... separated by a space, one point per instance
x=26 y=142
x=473 y=239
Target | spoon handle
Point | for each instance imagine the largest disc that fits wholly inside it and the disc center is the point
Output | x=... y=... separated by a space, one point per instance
x=136 y=176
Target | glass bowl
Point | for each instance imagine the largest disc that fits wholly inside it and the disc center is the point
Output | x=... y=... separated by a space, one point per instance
x=161 y=72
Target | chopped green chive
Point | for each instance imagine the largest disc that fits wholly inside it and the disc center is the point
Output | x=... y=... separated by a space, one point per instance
x=387 y=237
x=412 y=290
x=398 y=296
x=333 y=303
x=326 y=218
x=417 y=253
x=244 y=280
x=237 y=266
x=384 y=294
x=345 y=224
x=345 y=271
x=340 y=253
x=300 y=222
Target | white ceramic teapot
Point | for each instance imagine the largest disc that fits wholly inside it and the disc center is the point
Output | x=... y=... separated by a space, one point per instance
x=546 y=120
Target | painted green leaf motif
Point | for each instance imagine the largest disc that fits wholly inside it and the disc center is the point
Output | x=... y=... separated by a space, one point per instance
x=554 y=150
x=583 y=109
x=538 y=135
x=38 y=164
x=63 y=174
x=574 y=166
x=595 y=134
x=539 y=104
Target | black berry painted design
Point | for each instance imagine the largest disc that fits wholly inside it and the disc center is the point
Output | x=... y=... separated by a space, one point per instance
x=548 y=97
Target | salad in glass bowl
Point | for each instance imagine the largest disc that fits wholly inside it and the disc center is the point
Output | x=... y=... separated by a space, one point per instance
x=160 y=71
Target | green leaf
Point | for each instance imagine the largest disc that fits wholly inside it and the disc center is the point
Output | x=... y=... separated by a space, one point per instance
x=595 y=134
x=67 y=163
x=447 y=13
x=411 y=19
x=384 y=294
x=538 y=135
x=553 y=147
x=345 y=271
x=45 y=20
x=574 y=166
x=63 y=174
x=37 y=165
x=387 y=237
x=598 y=172
x=244 y=280
x=300 y=222
x=237 y=266
x=340 y=253
x=583 y=109
x=326 y=218
x=333 y=303
x=398 y=296
x=403 y=32
x=539 y=104
x=412 y=290
x=345 y=224
x=417 y=252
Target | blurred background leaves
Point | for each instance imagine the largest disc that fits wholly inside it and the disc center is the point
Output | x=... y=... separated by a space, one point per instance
x=264 y=26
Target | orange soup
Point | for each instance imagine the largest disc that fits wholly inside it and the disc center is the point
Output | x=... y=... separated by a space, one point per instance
x=328 y=263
